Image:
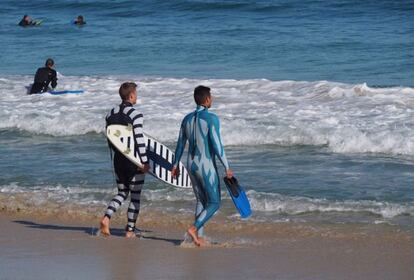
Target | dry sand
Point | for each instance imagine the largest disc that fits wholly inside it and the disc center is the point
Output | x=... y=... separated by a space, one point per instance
x=49 y=248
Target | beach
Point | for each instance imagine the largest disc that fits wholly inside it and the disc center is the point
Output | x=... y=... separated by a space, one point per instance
x=316 y=107
x=50 y=248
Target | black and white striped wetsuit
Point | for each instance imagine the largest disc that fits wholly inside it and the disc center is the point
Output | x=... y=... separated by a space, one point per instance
x=128 y=178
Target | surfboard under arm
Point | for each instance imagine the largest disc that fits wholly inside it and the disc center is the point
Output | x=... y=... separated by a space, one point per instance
x=160 y=156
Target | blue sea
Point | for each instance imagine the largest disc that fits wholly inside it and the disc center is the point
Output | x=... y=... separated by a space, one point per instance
x=316 y=100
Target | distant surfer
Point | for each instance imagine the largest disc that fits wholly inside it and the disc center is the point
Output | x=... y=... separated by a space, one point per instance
x=79 y=20
x=129 y=178
x=201 y=129
x=44 y=76
x=27 y=21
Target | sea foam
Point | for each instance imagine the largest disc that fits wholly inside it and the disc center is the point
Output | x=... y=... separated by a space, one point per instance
x=262 y=203
x=345 y=118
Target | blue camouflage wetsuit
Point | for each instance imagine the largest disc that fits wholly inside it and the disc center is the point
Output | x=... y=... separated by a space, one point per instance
x=202 y=130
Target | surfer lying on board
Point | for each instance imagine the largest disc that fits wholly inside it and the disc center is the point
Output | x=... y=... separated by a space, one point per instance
x=202 y=130
x=44 y=76
x=129 y=178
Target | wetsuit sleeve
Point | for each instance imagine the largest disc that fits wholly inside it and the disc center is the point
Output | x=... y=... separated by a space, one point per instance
x=137 y=124
x=54 y=79
x=215 y=139
x=182 y=140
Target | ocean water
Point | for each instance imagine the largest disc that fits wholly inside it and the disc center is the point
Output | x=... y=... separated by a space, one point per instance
x=343 y=41
x=316 y=101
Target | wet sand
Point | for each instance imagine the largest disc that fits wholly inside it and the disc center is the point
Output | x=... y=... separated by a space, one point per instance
x=50 y=248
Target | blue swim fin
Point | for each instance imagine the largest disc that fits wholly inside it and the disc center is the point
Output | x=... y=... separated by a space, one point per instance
x=238 y=196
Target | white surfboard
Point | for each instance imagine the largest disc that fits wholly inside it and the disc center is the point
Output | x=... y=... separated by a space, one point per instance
x=160 y=156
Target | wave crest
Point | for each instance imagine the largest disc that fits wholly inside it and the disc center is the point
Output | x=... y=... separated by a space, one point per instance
x=346 y=118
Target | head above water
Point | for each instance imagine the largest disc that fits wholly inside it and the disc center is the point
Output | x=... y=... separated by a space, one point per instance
x=49 y=63
x=202 y=96
x=128 y=92
x=79 y=20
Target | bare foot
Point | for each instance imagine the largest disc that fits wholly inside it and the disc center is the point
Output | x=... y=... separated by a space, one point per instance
x=203 y=241
x=192 y=231
x=105 y=226
x=130 y=234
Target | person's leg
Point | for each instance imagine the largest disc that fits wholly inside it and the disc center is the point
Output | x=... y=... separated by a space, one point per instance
x=200 y=200
x=208 y=194
x=198 y=210
x=113 y=206
x=212 y=193
x=135 y=188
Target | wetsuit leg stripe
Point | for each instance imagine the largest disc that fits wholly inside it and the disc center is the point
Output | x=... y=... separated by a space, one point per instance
x=117 y=201
x=123 y=196
x=134 y=205
x=137 y=183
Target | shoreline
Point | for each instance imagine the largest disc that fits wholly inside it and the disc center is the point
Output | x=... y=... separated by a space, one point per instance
x=53 y=247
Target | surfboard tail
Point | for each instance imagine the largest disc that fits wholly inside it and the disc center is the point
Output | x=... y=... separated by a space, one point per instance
x=239 y=197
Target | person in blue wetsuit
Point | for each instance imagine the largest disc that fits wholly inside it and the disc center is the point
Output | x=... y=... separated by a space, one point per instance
x=201 y=129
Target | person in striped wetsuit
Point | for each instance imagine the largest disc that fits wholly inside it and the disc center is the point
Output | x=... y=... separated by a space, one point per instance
x=201 y=129
x=129 y=177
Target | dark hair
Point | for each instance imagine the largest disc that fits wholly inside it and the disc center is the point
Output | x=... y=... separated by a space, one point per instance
x=201 y=93
x=126 y=89
x=80 y=17
x=49 y=62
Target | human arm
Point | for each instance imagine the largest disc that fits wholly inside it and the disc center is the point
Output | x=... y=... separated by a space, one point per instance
x=137 y=126
x=215 y=139
x=182 y=140
x=54 y=79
